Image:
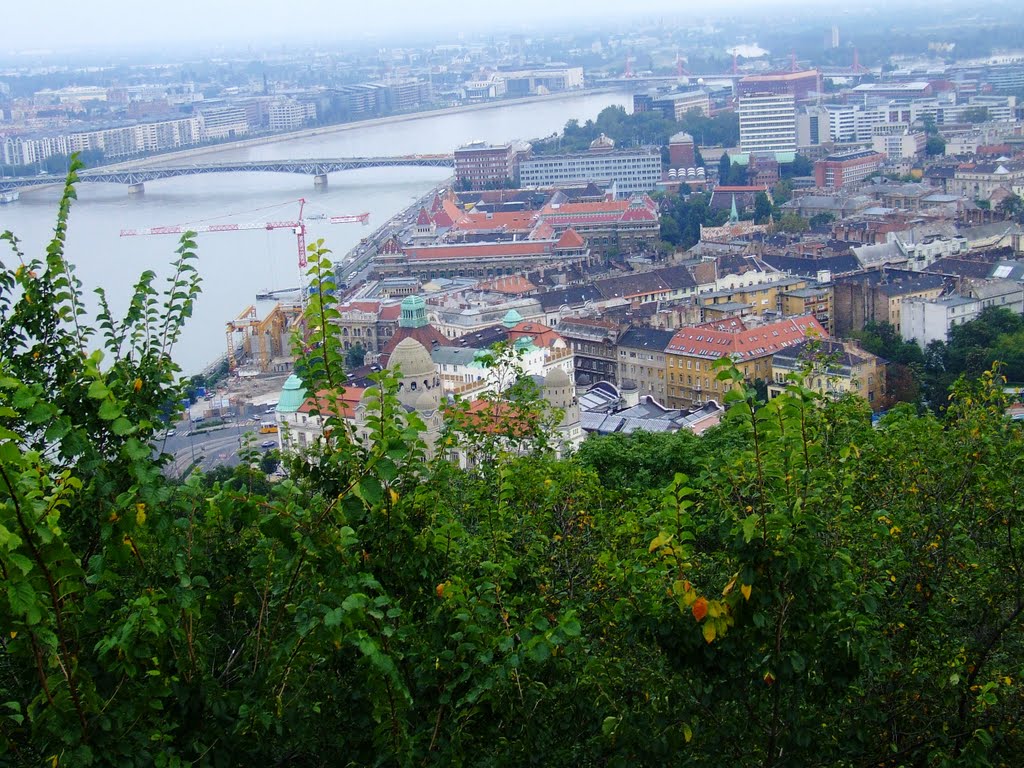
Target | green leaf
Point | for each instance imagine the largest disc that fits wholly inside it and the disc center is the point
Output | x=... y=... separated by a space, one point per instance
x=370 y=491
x=21 y=596
x=121 y=426
x=21 y=562
x=609 y=725
x=98 y=390
x=110 y=409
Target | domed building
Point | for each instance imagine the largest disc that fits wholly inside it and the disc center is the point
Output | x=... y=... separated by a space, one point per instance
x=419 y=390
x=418 y=374
x=602 y=144
x=560 y=393
x=414 y=324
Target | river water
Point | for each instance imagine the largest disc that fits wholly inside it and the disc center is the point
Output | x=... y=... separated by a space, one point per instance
x=236 y=265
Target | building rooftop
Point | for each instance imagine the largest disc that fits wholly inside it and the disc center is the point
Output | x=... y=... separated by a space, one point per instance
x=743 y=344
x=646 y=338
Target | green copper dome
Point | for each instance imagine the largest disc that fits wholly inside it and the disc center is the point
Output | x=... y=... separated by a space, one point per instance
x=414 y=312
x=512 y=319
x=293 y=395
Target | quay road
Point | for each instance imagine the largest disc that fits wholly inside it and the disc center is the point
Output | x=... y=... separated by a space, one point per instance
x=354 y=269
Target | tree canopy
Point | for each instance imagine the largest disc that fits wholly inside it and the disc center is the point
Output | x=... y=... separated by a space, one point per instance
x=640 y=128
x=795 y=587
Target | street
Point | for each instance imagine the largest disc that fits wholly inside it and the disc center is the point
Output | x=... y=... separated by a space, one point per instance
x=217 y=447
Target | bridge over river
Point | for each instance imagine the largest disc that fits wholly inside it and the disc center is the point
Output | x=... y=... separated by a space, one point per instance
x=135 y=178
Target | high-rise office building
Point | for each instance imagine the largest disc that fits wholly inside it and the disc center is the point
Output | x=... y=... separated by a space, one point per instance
x=767 y=122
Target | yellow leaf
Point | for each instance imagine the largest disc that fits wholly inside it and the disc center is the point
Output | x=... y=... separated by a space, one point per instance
x=53 y=761
x=140 y=514
x=729 y=586
x=138 y=384
x=14 y=634
x=709 y=632
x=687 y=733
x=689 y=597
x=659 y=541
x=394 y=496
x=745 y=589
x=714 y=609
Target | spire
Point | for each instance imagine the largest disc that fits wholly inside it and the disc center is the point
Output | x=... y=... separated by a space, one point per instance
x=734 y=215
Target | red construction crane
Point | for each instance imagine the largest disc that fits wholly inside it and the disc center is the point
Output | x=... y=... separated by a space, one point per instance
x=298 y=227
x=681 y=71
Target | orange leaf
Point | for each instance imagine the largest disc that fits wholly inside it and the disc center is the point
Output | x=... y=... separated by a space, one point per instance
x=700 y=609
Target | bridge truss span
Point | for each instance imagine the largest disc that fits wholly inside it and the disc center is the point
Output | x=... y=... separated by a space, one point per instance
x=317 y=168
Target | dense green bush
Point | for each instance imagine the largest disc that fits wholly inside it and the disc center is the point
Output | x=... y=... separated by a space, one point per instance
x=812 y=591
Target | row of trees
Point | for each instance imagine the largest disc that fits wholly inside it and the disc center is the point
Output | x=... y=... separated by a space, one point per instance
x=55 y=164
x=793 y=588
x=641 y=128
x=927 y=375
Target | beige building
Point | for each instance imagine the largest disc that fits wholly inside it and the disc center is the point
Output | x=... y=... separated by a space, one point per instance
x=757 y=299
x=641 y=359
x=832 y=368
x=691 y=355
x=813 y=300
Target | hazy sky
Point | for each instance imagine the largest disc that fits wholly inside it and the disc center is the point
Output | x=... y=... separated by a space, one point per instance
x=54 y=24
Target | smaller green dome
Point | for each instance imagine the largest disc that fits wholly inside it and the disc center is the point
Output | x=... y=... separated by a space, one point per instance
x=413 y=312
x=293 y=395
x=512 y=319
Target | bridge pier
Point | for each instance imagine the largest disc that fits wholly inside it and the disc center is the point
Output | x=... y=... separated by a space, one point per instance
x=320 y=181
x=136 y=190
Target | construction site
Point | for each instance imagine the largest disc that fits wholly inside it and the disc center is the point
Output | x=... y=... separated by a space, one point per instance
x=258 y=341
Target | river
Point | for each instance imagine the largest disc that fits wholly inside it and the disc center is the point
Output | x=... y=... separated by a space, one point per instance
x=236 y=265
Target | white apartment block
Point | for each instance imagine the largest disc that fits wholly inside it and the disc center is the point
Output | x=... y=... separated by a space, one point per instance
x=767 y=123
x=289 y=115
x=899 y=145
x=928 y=320
x=632 y=170
x=223 y=122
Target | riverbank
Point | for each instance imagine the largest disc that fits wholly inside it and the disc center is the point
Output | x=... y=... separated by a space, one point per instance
x=323 y=130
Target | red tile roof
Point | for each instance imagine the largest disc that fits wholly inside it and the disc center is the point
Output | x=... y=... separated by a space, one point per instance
x=392 y=245
x=570 y=239
x=423 y=220
x=508 y=220
x=363 y=306
x=425 y=335
x=575 y=209
x=711 y=343
x=638 y=213
x=543 y=231
x=346 y=403
x=540 y=334
x=514 y=284
x=390 y=313
x=442 y=219
x=479 y=250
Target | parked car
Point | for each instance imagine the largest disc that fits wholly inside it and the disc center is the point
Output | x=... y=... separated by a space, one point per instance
x=268 y=444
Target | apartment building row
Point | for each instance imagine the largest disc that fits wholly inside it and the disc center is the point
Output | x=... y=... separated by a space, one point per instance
x=212 y=123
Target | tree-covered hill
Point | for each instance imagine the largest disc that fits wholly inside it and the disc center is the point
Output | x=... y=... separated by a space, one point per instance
x=795 y=588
